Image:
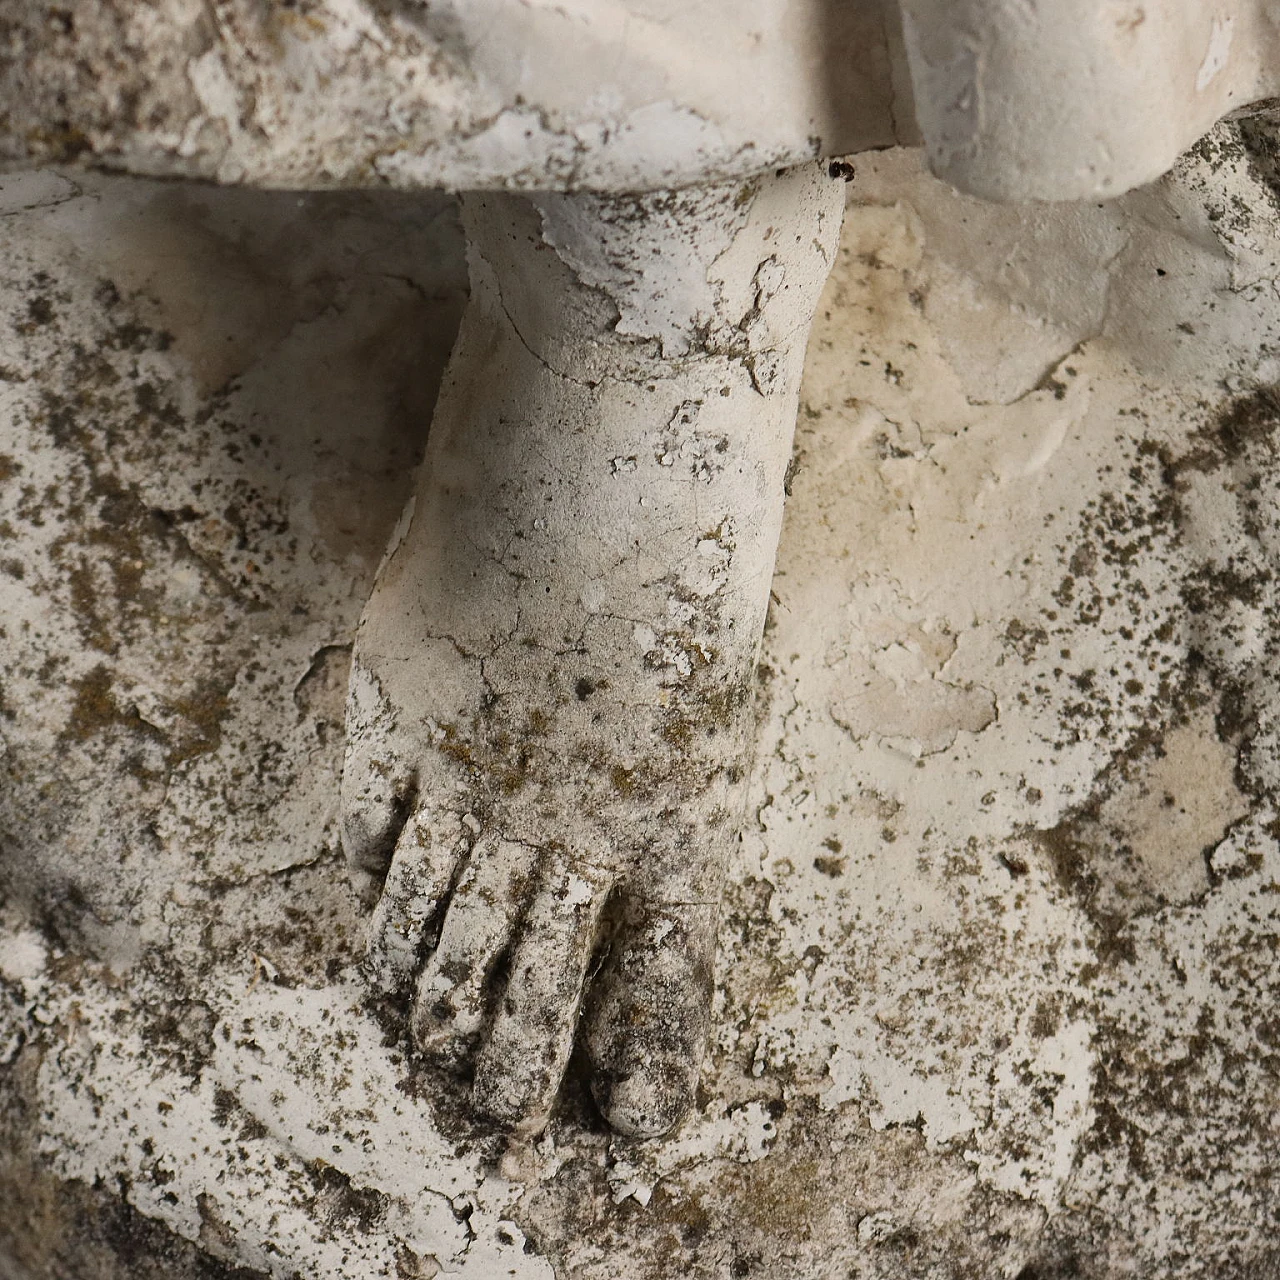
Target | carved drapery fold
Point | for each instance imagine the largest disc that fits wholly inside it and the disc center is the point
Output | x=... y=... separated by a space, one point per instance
x=1014 y=98
x=1071 y=99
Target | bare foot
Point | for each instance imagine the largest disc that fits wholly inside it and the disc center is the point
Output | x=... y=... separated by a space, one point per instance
x=549 y=718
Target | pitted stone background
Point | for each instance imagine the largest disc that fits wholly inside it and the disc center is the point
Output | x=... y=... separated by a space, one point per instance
x=998 y=967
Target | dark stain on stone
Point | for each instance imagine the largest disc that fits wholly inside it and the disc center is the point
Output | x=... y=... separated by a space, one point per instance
x=342 y=1204
x=1071 y=849
x=94 y=709
x=52 y=1230
x=1046 y=1018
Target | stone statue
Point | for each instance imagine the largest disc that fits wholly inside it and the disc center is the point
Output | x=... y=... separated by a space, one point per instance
x=552 y=692
x=550 y=712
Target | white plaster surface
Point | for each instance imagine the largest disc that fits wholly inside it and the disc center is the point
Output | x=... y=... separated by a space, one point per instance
x=1015 y=100
x=617 y=95
x=997 y=963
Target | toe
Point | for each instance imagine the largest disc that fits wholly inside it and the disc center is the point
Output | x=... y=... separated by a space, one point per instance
x=375 y=782
x=518 y=1071
x=486 y=908
x=422 y=867
x=373 y=809
x=649 y=1014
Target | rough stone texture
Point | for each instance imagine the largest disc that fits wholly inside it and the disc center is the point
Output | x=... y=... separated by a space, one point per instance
x=1015 y=100
x=619 y=95
x=552 y=708
x=998 y=978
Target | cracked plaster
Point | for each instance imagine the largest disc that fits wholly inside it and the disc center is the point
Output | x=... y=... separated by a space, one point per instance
x=997 y=962
x=1014 y=100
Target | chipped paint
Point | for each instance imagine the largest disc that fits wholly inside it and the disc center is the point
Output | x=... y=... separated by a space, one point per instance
x=983 y=1009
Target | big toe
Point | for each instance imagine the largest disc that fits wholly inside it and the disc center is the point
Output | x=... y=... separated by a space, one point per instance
x=647 y=1025
x=648 y=1102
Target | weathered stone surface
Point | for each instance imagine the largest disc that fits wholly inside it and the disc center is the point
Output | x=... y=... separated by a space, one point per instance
x=1054 y=101
x=1078 y=98
x=552 y=708
x=997 y=963
x=616 y=96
